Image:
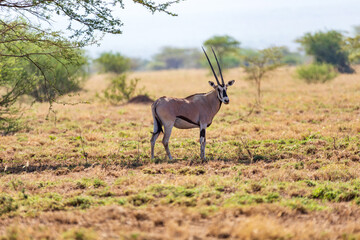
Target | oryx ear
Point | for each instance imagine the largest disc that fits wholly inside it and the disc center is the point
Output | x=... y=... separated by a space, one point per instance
x=230 y=83
x=212 y=84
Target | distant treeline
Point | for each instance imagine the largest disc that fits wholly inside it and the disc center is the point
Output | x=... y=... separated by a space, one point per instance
x=184 y=58
x=330 y=47
x=228 y=49
x=180 y=58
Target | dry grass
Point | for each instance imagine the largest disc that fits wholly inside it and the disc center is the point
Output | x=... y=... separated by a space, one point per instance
x=88 y=175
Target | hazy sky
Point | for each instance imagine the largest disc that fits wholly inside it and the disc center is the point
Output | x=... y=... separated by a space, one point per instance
x=256 y=24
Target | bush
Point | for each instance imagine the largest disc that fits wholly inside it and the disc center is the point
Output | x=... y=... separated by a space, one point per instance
x=119 y=89
x=316 y=73
x=34 y=62
x=54 y=68
x=113 y=62
x=327 y=47
x=61 y=78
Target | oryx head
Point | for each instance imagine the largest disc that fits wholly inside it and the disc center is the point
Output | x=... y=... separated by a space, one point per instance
x=221 y=88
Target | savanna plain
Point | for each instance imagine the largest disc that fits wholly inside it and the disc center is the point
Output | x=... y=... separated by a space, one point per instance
x=289 y=171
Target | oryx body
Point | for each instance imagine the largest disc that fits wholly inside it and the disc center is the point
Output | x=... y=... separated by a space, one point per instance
x=195 y=111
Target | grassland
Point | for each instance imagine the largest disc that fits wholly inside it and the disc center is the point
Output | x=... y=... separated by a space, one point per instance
x=86 y=173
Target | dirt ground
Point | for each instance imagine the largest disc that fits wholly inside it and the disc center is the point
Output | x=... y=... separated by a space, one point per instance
x=289 y=171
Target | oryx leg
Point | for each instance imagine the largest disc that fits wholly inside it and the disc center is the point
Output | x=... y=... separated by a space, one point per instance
x=155 y=134
x=153 y=140
x=202 y=142
x=165 y=141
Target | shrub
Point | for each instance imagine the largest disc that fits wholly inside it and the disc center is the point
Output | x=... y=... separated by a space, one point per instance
x=34 y=62
x=316 y=73
x=61 y=78
x=113 y=62
x=119 y=89
x=327 y=47
x=45 y=77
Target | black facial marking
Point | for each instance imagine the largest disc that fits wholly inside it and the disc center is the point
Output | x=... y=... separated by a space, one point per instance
x=202 y=133
x=187 y=120
x=224 y=94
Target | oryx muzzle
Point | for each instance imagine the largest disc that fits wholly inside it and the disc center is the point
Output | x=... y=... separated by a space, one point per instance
x=195 y=111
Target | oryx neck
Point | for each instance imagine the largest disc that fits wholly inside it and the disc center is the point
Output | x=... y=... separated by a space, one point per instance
x=213 y=100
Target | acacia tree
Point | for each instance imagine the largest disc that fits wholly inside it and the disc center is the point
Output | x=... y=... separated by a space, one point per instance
x=327 y=47
x=258 y=65
x=352 y=45
x=224 y=45
x=113 y=62
x=85 y=17
x=25 y=44
x=31 y=61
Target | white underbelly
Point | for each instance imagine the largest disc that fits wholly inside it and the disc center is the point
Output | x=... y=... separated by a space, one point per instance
x=182 y=124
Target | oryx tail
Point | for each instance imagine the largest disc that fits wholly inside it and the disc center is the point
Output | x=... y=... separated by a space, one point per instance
x=158 y=125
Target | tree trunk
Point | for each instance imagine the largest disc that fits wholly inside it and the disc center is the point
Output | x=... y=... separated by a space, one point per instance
x=258 y=97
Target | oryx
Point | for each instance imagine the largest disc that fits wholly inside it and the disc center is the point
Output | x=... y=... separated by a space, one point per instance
x=195 y=111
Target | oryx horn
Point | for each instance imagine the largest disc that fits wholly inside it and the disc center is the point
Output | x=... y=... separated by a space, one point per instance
x=222 y=79
x=217 y=80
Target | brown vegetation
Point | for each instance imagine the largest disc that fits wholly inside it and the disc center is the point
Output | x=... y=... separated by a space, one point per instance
x=87 y=174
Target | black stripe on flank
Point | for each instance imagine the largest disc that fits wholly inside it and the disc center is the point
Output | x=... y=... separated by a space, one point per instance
x=187 y=120
x=202 y=133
